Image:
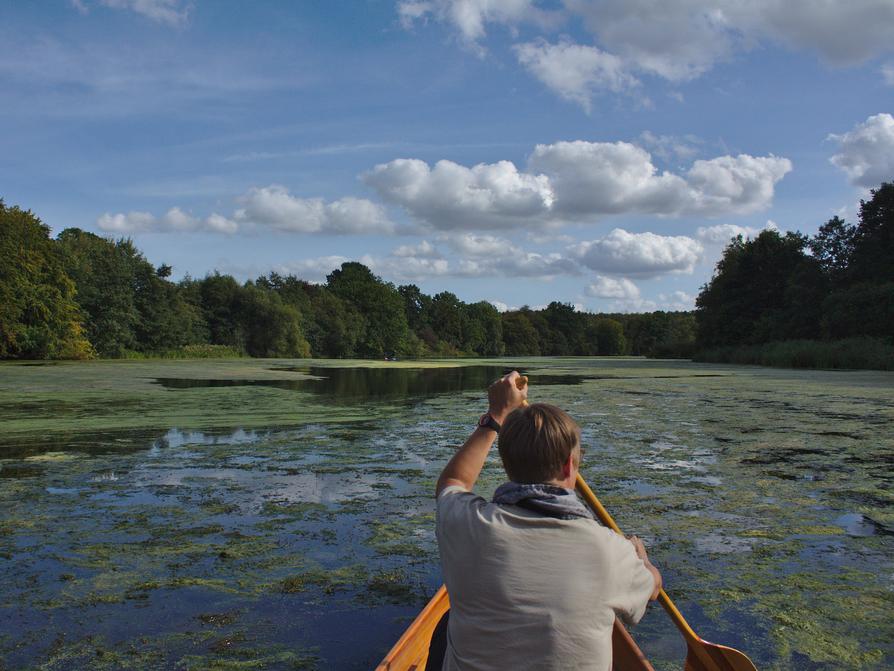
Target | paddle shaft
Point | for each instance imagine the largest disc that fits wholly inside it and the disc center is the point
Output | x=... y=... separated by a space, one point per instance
x=596 y=505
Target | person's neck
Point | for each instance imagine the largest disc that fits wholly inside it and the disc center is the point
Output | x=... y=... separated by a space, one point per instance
x=566 y=483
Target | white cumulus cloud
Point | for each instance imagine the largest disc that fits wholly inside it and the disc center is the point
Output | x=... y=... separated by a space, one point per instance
x=577 y=181
x=576 y=72
x=611 y=287
x=866 y=153
x=173 y=221
x=641 y=255
x=452 y=196
x=424 y=250
x=610 y=178
x=675 y=40
x=270 y=207
x=721 y=234
x=274 y=207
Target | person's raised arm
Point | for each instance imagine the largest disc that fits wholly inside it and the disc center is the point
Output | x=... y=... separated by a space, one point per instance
x=465 y=466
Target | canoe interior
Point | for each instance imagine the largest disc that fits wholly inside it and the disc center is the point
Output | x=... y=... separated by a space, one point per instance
x=410 y=653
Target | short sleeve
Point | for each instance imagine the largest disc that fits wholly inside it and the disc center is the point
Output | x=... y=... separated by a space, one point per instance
x=455 y=509
x=633 y=583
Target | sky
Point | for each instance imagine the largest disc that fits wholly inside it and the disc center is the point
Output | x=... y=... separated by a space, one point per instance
x=599 y=153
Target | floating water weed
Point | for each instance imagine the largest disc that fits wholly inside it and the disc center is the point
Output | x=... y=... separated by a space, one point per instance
x=758 y=492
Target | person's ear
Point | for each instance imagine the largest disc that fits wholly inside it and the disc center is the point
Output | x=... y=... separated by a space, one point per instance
x=568 y=466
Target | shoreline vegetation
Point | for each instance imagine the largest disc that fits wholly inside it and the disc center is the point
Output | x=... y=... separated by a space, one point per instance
x=847 y=354
x=790 y=300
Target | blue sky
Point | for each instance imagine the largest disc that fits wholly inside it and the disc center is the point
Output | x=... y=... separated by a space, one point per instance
x=598 y=153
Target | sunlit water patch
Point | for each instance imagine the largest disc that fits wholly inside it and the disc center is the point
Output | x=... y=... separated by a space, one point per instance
x=291 y=535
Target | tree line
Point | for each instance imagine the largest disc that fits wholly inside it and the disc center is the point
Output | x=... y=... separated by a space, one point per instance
x=81 y=295
x=835 y=285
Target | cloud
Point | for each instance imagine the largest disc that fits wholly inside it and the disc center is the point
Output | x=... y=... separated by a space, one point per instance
x=573 y=181
x=590 y=178
x=522 y=264
x=174 y=13
x=470 y=244
x=888 y=74
x=676 y=300
x=610 y=287
x=841 y=33
x=721 y=234
x=469 y=17
x=641 y=255
x=674 y=40
x=501 y=306
x=452 y=196
x=478 y=256
x=866 y=153
x=312 y=269
x=669 y=147
x=424 y=250
x=174 y=220
x=271 y=207
x=677 y=41
x=274 y=207
x=576 y=72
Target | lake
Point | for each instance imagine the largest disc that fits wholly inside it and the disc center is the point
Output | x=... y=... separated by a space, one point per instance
x=279 y=513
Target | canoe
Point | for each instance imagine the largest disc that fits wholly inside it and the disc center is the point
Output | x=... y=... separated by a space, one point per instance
x=410 y=653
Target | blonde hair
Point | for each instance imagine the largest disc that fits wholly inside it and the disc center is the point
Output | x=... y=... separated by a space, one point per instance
x=536 y=441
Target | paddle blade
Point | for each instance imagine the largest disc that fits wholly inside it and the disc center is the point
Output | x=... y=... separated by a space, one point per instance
x=714 y=657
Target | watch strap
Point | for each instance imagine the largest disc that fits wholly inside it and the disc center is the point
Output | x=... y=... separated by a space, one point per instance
x=489 y=422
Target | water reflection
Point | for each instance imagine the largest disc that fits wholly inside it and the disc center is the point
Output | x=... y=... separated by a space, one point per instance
x=349 y=385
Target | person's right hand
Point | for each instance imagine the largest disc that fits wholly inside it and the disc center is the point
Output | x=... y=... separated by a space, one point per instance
x=639 y=547
x=656 y=574
x=504 y=396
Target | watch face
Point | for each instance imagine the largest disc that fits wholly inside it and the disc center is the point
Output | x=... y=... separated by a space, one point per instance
x=482 y=421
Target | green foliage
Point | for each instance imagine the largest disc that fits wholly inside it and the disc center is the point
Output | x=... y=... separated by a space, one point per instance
x=851 y=353
x=270 y=327
x=39 y=318
x=484 y=330
x=768 y=291
x=862 y=309
x=609 y=337
x=519 y=335
x=385 y=329
x=763 y=289
x=251 y=318
x=873 y=244
x=104 y=277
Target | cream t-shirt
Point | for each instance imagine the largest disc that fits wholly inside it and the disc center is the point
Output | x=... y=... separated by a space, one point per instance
x=533 y=592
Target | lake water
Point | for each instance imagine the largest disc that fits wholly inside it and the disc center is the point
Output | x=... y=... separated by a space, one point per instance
x=279 y=514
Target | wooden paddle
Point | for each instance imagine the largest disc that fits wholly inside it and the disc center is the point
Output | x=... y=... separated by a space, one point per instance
x=702 y=655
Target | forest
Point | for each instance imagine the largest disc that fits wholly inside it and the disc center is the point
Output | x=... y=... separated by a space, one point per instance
x=80 y=295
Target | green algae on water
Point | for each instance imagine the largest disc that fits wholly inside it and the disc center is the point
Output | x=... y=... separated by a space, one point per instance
x=239 y=526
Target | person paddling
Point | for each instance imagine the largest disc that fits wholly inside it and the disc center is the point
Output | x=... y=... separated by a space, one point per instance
x=534 y=581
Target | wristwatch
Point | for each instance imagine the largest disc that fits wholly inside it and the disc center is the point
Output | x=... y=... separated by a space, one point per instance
x=488 y=422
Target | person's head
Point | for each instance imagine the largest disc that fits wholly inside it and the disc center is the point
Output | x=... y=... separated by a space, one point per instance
x=538 y=442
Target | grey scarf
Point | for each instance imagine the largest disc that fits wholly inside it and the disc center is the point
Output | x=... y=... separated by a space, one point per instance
x=548 y=500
